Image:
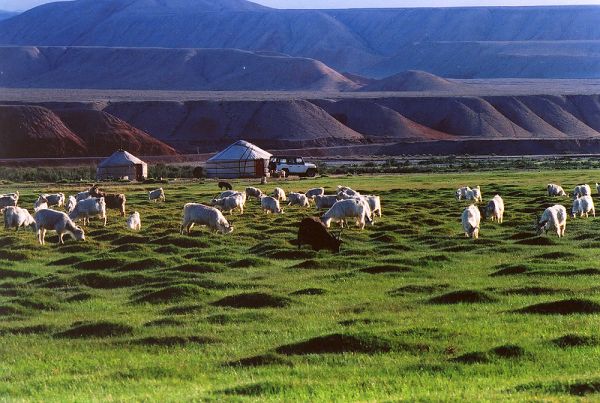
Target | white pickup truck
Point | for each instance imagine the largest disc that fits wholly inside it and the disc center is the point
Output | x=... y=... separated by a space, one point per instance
x=292 y=166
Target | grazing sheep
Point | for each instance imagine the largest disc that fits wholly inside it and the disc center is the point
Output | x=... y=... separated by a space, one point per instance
x=495 y=209
x=555 y=190
x=195 y=213
x=230 y=203
x=345 y=192
x=554 y=217
x=299 y=199
x=582 y=190
x=226 y=193
x=311 y=193
x=314 y=233
x=156 y=195
x=477 y=196
x=134 y=222
x=94 y=207
x=462 y=192
x=16 y=217
x=348 y=208
x=225 y=185
x=83 y=195
x=55 y=199
x=9 y=200
x=40 y=204
x=254 y=192
x=325 y=201
x=279 y=194
x=583 y=206
x=71 y=203
x=270 y=205
x=114 y=201
x=374 y=204
x=470 y=221
x=52 y=220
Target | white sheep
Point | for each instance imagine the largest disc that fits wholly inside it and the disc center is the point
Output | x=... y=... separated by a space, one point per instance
x=325 y=201
x=195 y=213
x=270 y=205
x=40 y=204
x=495 y=209
x=554 y=217
x=93 y=207
x=134 y=222
x=299 y=199
x=254 y=192
x=345 y=192
x=374 y=204
x=279 y=194
x=52 y=220
x=70 y=204
x=156 y=195
x=555 y=190
x=54 y=199
x=471 y=219
x=230 y=203
x=348 y=208
x=582 y=190
x=477 y=196
x=311 y=193
x=461 y=192
x=83 y=195
x=16 y=217
x=583 y=206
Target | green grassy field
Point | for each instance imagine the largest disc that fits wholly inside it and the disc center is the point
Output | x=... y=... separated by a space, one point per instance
x=410 y=309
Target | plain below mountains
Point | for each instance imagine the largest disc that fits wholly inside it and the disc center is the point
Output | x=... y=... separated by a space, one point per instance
x=473 y=42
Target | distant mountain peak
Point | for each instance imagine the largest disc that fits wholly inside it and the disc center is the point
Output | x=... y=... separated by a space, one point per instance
x=184 y=5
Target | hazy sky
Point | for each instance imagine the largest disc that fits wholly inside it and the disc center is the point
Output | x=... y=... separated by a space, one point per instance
x=26 y=4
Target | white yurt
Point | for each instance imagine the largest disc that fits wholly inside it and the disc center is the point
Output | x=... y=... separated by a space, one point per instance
x=240 y=160
x=122 y=165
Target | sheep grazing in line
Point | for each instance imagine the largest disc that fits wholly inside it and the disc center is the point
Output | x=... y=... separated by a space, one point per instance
x=54 y=199
x=325 y=201
x=583 y=206
x=52 y=220
x=299 y=199
x=254 y=192
x=279 y=194
x=311 y=193
x=9 y=200
x=195 y=213
x=349 y=208
x=134 y=222
x=582 y=190
x=230 y=203
x=83 y=195
x=555 y=190
x=270 y=205
x=225 y=185
x=314 y=233
x=70 y=204
x=115 y=201
x=40 y=204
x=554 y=217
x=462 y=192
x=17 y=217
x=495 y=209
x=471 y=218
x=157 y=195
x=94 y=207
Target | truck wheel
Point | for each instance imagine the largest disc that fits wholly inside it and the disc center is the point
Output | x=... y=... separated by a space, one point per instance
x=311 y=172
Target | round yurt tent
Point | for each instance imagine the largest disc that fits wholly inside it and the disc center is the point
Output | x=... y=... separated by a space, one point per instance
x=122 y=165
x=240 y=160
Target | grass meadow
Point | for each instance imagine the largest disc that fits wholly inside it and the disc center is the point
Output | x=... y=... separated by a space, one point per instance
x=409 y=310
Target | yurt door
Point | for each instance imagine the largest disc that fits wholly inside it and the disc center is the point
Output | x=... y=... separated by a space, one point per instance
x=259 y=168
x=139 y=172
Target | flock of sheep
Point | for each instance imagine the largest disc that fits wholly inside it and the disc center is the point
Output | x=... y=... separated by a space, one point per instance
x=346 y=204
x=553 y=217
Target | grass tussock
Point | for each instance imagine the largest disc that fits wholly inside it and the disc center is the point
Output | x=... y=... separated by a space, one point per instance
x=170 y=341
x=261 y=361
x=575 y=340
x=108 y=263
x=309 y=291
x=95 y=329
x=563 y=307
x=574 y=388
x=255 y=389
x=462 y=297
x=385 y=269
x=338 y=343
x=171 y=294
x=253 y=300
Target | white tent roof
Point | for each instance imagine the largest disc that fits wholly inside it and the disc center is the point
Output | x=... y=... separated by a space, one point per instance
x=119 y=159
x=240 y=150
